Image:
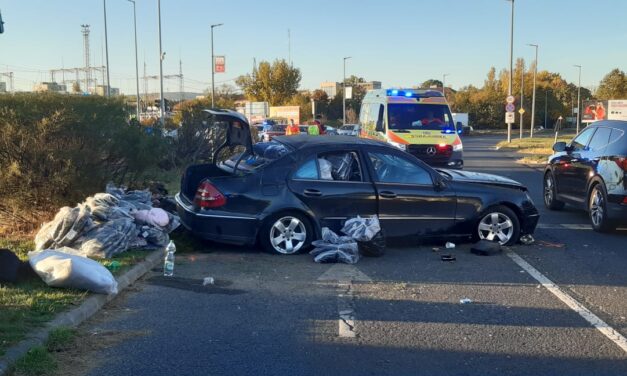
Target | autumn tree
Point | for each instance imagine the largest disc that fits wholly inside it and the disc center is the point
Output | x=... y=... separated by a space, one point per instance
x=613 y=85
x=274 y=83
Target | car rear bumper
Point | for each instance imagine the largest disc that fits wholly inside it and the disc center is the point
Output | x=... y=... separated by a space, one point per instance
x=217 y=226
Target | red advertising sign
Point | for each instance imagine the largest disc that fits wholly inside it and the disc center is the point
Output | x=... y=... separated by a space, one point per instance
x=219 y=64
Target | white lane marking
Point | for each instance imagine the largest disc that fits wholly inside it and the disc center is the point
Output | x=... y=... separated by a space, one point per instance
x=567 y=226
x=344 y=272
x=345 y=307
x=584 y=312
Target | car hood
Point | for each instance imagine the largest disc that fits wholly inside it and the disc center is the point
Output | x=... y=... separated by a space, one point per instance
x=481 y=178
x=235 y=125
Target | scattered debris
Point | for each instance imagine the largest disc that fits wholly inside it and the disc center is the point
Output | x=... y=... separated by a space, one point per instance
x=485 y=248
x=208 y=281
x=527 y=239
x=335 y=248
x=368 y=234
x=545 y=243
x=448 y=258
x=465 y=301
x=450 y=245
x=435 y=249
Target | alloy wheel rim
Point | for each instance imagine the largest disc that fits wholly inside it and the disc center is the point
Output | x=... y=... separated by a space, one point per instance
x=288 y=235
x=548 y=190
x=596 y=207
x=496 y=227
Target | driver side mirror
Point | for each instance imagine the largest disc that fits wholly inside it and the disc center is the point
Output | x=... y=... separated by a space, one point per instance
x=560 y=146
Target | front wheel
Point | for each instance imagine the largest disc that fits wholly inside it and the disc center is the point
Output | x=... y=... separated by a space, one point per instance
x=597 y=208
x=499 y=224
x=286 y=233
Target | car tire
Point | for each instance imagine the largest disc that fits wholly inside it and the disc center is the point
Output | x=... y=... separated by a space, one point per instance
x=498 y=223
x=550 y=193
x=282 y=229
x=597 y=209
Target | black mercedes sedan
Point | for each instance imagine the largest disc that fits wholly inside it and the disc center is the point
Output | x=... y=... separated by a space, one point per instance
x=281 y=193
x=590 y=173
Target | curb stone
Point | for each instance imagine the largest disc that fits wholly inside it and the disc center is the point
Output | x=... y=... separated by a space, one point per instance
x=76 y=316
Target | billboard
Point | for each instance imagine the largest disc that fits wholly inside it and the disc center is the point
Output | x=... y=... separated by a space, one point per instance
x=594 y=110
x=617 y=109
x=286 y=112
x=219 y=64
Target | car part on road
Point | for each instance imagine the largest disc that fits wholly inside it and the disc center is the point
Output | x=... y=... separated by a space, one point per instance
x=448 y=258
x=499 y=223
x=486 y=248
x=335 y=248
x=527 y=239
x=286 y=234
x=550 y=195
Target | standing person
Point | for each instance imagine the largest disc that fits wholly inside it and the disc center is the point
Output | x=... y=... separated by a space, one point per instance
x=313 y=129
x=321 y=128
x=292 y=129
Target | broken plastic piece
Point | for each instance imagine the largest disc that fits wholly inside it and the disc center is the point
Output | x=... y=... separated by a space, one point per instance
x=208 y=281
x=465 y=301
x=448 y=258
x=450 y=245
x=527 y=239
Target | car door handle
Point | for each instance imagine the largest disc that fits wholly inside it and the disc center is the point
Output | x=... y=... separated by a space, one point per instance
x=387 y=194
x=312 y=193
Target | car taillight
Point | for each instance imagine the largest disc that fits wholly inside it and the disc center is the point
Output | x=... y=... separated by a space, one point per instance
x=208 y=196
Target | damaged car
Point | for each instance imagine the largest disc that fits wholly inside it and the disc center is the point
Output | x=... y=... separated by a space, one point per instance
x=280 y=194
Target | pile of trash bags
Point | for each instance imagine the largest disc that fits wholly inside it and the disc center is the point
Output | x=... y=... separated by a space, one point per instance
x=363 y=236
x=107 y=224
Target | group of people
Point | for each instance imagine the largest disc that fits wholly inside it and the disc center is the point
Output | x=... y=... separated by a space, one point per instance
x=314 y=129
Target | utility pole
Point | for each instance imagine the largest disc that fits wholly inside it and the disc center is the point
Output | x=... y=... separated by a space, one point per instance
x=444 y=84
x=213 y=68
x=104 y=7
x=511 y=67
x=546 y=101
x=85 y=32
x=579 y=101
x=533 y=99
x=522 y=95
x=289 y=47
x=344 y=92
x=136 y=59
x=161 y=56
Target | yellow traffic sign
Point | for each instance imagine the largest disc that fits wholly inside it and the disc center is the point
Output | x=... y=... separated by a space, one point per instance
x=521 y=111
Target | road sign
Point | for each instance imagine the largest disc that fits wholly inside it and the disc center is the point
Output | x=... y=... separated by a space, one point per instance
x=510 y=99
x=510 y=107
x=521 y=111
x=510 y=117
x=219 y=64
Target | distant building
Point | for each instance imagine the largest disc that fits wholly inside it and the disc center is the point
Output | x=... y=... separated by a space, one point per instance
x=102 y=90
x=331 y=88
x=3 y=87
x=370 y=85
x=50 y=87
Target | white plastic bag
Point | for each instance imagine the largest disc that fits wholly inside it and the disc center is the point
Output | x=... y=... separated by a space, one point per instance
x=362 y=229
x=59 y=269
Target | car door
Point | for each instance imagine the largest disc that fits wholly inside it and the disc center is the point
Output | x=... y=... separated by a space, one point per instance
x=335 y=186
x=409 y=201
x=566 y=175
x=585 y=166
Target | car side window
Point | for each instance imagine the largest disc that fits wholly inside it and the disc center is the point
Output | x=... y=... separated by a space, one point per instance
x=580 y=142
x=392 y=168
x=308 y=170
x=600 y=139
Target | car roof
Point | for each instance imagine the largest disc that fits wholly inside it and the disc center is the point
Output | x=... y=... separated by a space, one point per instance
x=302 y=141
x=620 y=124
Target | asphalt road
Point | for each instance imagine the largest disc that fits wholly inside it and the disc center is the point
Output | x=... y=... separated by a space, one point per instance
x=396 y=315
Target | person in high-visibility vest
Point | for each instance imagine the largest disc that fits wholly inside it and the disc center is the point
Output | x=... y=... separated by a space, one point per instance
x=292 y=129
x=313 y=130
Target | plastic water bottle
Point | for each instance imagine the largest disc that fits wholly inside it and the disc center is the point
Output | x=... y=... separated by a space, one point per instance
x=168 y=264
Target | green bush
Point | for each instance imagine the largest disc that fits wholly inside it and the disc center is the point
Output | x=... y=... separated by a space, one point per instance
x=57 y=149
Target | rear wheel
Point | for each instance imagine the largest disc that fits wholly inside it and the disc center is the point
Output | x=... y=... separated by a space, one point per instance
x=550 y=196
x=597 y=209
x=286 y=234
x=499 y=224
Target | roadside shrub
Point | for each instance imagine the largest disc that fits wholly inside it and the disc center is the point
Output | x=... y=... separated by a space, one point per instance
x=57 y=149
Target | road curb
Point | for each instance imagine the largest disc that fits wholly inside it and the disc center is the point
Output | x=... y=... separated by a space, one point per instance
x=76 y=316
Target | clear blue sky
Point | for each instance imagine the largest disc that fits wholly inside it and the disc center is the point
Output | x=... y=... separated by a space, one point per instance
x=400 y=43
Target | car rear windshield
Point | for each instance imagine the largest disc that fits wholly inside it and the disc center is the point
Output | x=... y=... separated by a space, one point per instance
x=419 y=116
x=263 y=154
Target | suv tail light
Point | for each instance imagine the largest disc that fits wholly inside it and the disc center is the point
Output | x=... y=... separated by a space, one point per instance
x=208 y=196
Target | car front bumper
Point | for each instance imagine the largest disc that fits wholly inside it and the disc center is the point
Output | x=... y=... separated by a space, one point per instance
x=217 y=226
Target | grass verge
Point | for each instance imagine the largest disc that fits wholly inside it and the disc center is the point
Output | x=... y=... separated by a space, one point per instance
x=39 y=360
x=533 y=150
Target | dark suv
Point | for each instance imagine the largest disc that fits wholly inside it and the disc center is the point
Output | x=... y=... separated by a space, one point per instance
x=591 y=172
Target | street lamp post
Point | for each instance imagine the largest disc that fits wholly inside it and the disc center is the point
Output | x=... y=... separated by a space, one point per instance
x=344 y=92
x=161 y=56
x=136 y=60
x=511 y=67
x=213 y=68
x=578 y=98
x=546 y=106
x=104 y=8
x=533 y=100
x=444 y=84
x=522 y=96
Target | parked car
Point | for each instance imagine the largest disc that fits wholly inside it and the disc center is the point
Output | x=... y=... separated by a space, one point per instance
x=283 y=192
x=349 y=130
x=271 y=131
x=330 y=131
x=590 y=172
